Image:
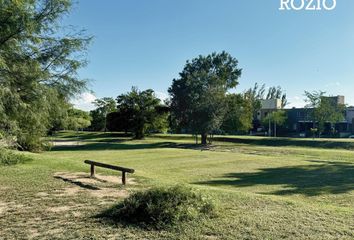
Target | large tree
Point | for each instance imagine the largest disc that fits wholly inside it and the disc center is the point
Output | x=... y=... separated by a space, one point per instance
x=104 y=106
x=239 y=114
x=38 y=67
x=141 y=110
x=119 y=121
x=325 y=109
x=198 y=96
x=78 y=119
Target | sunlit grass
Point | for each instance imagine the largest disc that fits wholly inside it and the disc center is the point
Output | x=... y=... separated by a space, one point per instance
x=263 y=190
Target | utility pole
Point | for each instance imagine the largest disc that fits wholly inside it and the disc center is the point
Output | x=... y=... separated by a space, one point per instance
x=270 y=129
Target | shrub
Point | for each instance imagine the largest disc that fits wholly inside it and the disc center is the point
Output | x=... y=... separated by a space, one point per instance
x=8 y=157
x=161 y=207
x=7 y=141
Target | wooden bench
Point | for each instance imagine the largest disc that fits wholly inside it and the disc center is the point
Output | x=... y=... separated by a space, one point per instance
x=104 y=165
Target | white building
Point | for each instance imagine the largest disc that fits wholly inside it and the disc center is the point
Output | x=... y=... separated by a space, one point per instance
x=268 y=106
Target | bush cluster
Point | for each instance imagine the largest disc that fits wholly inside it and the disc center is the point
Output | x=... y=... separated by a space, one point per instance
x=162 y=207
x=9 y=157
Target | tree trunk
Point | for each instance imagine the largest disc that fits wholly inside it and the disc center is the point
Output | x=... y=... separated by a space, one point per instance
x=105 y=123
x=275 y=129
x=204 y=138
x=139 y=133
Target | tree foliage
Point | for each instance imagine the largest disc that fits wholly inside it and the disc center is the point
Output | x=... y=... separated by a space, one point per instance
x=277 y=118
x=104 y=106
x=78 y=119
x=325 y=109
x=140 y=112
x=198 y=96
x=259 y=92
x=239 y=114
x=277 y=93
x=254 y=96
x=119 y=122
x=38 y=68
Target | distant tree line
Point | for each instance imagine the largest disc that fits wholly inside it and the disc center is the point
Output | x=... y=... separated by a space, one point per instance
x=200 y=103
x=324 y=110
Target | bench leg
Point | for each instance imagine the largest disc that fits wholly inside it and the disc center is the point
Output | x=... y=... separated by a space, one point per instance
x=123 y=178
x=92 y=170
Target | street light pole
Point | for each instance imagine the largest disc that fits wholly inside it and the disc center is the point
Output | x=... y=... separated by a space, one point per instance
x=270 y=129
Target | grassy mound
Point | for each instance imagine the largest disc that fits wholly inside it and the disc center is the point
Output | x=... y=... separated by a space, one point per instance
x=9 y=157
x=162 y=207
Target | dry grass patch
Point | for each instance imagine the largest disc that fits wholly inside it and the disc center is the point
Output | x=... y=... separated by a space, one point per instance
x=3 y=207
x=101 y=186
x=59 y=209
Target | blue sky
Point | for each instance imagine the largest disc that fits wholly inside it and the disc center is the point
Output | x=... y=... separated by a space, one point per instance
x=145 y=43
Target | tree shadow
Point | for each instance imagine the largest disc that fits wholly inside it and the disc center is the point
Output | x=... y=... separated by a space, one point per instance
x=285 y=142
x=94 y=135
x=320 y=177
x=123 y=145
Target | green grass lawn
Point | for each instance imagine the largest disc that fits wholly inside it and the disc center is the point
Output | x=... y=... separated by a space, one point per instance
x=264 y=188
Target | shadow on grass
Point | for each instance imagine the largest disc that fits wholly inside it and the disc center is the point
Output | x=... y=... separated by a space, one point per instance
x=318 y=178
x=77 y=183
x=96 y=137
x=287 y=142
x=97 y=146
x=109 y=217
x=112 y=218
x=93 y=135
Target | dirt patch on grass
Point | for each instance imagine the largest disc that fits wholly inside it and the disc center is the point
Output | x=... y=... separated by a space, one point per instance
x=33 y=233
x=42 y=194
x=10 y=207
x=101 y=186
x=59 y=209
x=86 y=179
x=106 y=192
x=66 y=143
x=3 y=207
x=70 y=191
